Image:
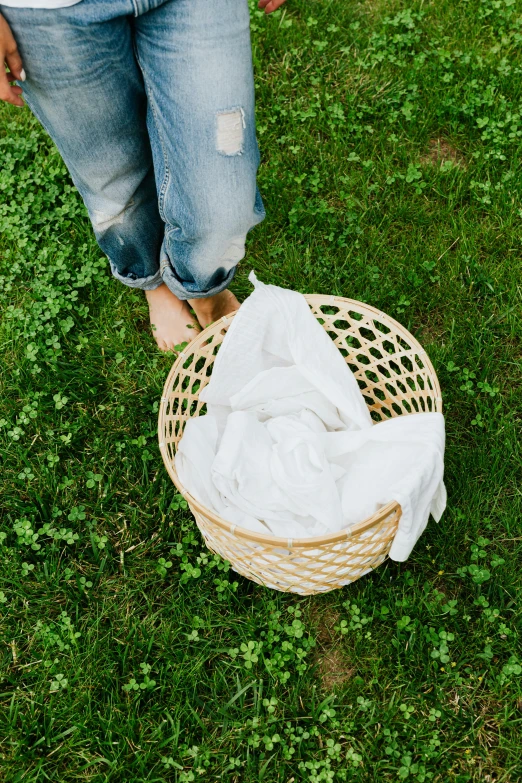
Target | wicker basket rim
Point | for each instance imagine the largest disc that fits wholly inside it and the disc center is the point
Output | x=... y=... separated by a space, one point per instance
x=260 y=538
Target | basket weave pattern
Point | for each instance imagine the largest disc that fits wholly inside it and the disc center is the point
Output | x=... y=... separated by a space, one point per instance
x=396 y=378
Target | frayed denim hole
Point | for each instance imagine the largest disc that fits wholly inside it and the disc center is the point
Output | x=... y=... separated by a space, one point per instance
x=230 y=132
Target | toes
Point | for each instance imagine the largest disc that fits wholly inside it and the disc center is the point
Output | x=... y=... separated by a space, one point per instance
x=168 y=345
x=163 y=346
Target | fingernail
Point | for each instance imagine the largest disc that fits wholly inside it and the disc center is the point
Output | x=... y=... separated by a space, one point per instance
x=23 y=76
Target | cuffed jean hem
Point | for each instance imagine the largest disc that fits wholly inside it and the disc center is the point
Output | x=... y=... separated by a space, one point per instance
x=178 y=289
x=145 y=283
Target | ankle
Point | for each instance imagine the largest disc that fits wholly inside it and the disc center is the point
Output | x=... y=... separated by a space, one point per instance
x=161 y=292
x=211 y=308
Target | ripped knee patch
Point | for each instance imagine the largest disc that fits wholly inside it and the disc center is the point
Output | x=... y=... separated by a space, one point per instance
x=230 y=131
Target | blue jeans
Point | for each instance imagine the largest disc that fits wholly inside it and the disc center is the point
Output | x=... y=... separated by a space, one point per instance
x=151 y=104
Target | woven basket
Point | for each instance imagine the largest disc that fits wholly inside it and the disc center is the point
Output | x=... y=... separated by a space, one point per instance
x=396 y=377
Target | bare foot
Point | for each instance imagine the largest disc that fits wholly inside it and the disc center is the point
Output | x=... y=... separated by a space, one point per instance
x=212 y=308
x=171 y=320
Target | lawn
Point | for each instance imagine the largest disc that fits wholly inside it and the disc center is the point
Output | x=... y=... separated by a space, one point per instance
x=391 y=139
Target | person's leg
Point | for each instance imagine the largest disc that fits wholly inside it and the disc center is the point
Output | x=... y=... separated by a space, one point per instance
x=84 y=85
x=197 y=66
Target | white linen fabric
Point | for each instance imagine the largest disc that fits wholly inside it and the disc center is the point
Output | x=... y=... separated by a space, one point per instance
x=288 y=447
x=38 y=3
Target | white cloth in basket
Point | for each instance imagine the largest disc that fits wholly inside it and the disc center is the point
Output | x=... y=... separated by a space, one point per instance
x=288 y=446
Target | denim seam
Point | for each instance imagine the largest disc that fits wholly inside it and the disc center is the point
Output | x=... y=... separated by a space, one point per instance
x=166 y=178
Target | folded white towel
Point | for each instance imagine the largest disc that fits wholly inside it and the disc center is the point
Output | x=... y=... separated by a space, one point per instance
x=288 y=446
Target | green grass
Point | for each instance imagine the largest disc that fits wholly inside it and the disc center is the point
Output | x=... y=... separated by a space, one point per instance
x=414 y=671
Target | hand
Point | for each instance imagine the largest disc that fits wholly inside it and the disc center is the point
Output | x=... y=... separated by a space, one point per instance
x=10 y=56
x=270 y=5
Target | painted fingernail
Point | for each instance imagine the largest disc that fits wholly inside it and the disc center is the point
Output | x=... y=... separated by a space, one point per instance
x=23 y=76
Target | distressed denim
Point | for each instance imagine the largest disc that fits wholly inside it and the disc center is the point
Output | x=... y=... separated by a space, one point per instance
x=151 y=105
